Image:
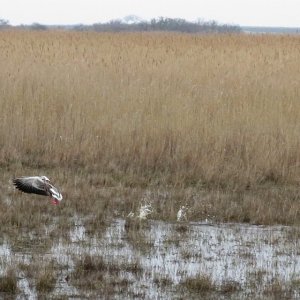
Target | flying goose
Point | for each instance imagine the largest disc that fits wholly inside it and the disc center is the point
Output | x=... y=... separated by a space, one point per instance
x=38 y=185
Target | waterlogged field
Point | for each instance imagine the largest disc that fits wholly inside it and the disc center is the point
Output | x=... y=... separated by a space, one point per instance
x=134 y=128
x=153 y=260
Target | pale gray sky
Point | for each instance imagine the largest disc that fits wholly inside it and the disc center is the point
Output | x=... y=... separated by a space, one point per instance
x=242 y=12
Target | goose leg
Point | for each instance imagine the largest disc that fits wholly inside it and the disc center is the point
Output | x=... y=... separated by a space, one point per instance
x=54 y=201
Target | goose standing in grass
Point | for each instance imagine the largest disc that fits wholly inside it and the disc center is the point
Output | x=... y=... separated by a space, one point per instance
x=39 y=185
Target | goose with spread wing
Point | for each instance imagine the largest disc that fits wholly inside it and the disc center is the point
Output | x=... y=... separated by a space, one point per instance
x=38 y=185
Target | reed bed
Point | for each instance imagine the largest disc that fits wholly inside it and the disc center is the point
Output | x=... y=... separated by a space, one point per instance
x=144 y=109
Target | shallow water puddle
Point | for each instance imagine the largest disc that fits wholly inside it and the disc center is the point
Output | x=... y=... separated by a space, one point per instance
x=155 y=257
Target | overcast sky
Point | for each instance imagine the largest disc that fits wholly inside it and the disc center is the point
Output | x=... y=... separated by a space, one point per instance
x=242 y=12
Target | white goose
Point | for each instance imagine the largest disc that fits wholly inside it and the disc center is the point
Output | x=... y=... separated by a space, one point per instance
x=38 y=185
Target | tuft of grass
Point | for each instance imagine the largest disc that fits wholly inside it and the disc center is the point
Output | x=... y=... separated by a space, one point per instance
x=93 y=273
x=46 y=278
x=182 y=229
x=96 y=264
x=90 y=264
x=162 y=282
x=132 y=267
x=229 y=287
x=199 y=284
x=89 y=272
x=8 y=282
x=278 y=290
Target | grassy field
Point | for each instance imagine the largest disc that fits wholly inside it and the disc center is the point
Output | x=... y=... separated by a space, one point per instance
x=210 y=121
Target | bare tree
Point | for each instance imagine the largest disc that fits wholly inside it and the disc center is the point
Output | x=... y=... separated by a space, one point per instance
x=4 y=23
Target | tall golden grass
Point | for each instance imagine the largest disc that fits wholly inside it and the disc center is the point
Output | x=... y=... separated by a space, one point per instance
x=187 y=109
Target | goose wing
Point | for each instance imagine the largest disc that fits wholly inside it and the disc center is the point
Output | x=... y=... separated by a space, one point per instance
x=34 y=185
x=55 y=192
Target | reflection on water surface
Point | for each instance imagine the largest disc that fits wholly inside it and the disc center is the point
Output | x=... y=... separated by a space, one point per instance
x=153 y=259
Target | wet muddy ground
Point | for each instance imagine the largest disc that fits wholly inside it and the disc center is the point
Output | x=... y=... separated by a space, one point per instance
x=153 y=259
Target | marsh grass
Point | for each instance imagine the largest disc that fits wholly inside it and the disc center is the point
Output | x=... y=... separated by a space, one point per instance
x=199 y=284
x=203 y=285
x=105 y=113
x=114 y=268
x=89 y=264
x=39 y=242
x=42 y=274
x=46 y=279
x=98 y=206
x=229 y=287
x=137 y=234
x=95 y=274
x=279 y=290
x=89 y=272
x=162 y=281
x=8 y=282
x=182 y=229
x=295 y=284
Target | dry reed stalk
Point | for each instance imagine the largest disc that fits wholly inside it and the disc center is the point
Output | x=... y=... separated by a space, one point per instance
x=155 y=108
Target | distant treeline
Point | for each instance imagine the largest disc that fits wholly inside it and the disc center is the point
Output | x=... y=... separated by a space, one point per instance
x=159 y=24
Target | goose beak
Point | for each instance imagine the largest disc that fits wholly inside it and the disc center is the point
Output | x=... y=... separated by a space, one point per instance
x=54 y=201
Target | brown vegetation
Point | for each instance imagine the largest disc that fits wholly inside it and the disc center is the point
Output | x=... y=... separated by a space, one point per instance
x=46 y=280
x=93 y=273
x=215 y=112
x=8 y=282
x=200 y=284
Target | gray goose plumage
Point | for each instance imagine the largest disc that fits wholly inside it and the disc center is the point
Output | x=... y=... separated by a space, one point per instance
x=39 y=185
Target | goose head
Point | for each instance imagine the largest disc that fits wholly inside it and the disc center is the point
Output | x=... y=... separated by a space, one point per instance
x=45 y=178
